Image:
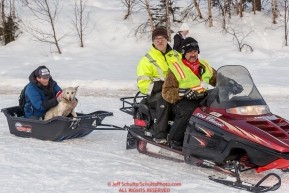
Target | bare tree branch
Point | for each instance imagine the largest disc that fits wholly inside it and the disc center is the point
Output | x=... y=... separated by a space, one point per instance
x=239 y=37
x=129 y=4
x=168 y=22
x=147 y=5
x=142 y=30
x=285 y=6
x=46 y=13
x=274 y=10
x=198 y=9
x=210 y=14
x=81 y=20
x=3 y=12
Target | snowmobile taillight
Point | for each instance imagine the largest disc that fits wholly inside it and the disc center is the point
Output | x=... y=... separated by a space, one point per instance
x=141 y=123
x=250 y=110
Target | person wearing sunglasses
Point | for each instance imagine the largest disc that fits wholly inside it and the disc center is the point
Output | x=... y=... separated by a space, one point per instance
x=151 y=72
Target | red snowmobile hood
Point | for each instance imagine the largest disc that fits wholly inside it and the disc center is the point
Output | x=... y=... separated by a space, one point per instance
x=269 y=130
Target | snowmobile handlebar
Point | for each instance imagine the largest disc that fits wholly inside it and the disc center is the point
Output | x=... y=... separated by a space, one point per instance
x=202 y=95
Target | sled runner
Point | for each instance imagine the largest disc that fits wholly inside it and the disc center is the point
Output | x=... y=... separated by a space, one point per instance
x=229 y=133
x=58 y=128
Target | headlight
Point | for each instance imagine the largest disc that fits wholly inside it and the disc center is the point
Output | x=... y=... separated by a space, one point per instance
x=250 y=110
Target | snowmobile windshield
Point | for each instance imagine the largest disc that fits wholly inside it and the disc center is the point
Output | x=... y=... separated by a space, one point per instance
x=236 y=92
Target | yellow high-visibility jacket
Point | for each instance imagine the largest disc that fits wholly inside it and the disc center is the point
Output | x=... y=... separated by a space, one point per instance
x=185 y=76
x=172 y=83
x=154 y=67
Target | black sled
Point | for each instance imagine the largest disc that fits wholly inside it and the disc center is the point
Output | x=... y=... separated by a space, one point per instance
x=58 y=128
x=228 y=133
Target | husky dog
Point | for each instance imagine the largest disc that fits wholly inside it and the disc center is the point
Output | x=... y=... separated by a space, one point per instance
x=65 y=107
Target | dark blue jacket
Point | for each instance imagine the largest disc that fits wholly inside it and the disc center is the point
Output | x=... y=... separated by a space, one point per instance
x=39 y=99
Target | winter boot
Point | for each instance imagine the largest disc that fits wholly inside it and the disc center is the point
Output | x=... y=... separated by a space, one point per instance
x=163 y=141
x=177 y=145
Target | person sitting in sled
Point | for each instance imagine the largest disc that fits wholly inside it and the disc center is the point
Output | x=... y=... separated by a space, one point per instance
x=151 y=72
x=186 y=78
x=40 y=93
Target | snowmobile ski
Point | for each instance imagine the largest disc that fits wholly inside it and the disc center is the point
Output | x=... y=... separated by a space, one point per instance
x=248 y=186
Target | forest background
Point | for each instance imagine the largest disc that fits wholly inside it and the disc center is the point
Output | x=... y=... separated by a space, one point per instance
x=222 y=14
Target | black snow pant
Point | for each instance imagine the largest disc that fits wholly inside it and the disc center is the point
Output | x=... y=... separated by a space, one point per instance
x=182 y=111
x=162 y=114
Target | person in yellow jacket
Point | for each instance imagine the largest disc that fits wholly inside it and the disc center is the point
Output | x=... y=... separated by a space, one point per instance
x=185 y=79
x=151 y=72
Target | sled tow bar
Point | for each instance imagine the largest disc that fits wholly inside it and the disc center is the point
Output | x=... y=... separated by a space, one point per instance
x=109 y=127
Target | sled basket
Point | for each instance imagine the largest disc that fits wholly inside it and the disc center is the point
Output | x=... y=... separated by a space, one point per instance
x=55 y=129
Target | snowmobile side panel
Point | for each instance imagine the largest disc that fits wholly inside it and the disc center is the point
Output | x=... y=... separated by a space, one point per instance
x=205 y=140
x=211 y=142
x=245 y=129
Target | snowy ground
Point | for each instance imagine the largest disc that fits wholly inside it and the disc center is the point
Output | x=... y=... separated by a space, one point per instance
x=90 y=163
x=105 y=70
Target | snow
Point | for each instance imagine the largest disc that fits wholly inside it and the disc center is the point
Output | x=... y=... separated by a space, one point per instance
x=105 y=70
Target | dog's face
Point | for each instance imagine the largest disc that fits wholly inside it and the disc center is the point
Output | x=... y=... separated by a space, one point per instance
x=69 y=93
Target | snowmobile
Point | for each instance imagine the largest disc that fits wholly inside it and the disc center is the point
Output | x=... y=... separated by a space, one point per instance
x=58 y=128
x=229 y=133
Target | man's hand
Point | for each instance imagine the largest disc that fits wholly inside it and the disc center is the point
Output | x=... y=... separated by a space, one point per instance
x=191 y=95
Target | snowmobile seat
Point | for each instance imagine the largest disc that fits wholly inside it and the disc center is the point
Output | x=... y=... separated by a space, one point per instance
x=146 y=109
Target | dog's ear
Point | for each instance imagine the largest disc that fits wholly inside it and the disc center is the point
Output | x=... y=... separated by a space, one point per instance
x=76 y=87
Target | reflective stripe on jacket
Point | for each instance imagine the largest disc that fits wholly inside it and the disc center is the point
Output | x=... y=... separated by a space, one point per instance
x=186 y=78
x=154 y=67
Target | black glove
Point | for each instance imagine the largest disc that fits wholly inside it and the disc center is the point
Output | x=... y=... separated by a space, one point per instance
x=191 y=95
x=235 y=87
